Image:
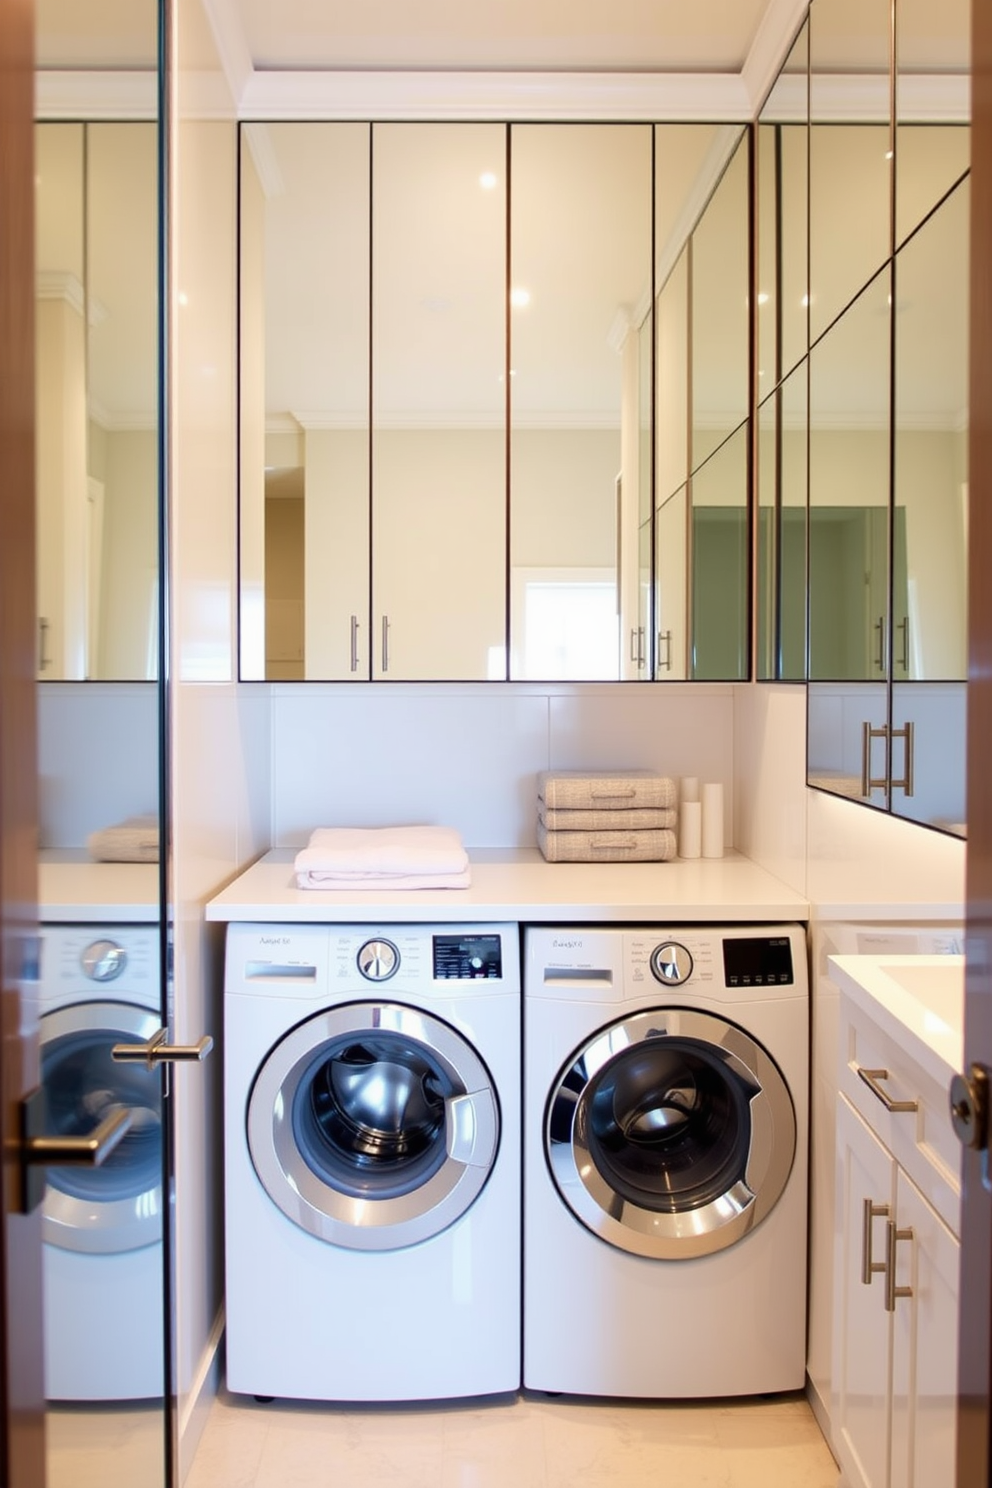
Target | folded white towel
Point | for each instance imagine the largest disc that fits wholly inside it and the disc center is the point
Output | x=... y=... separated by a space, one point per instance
x=358 y=881
x=382 y=856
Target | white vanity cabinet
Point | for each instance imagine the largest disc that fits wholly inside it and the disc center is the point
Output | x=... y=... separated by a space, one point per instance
x=896 y=1267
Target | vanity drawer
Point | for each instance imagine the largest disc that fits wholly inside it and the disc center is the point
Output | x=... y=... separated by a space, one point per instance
x=873 y=1071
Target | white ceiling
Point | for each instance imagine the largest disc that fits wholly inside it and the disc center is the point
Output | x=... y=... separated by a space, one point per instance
x=582 y=35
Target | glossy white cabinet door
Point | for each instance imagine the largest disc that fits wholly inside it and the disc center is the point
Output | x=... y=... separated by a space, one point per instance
x=924 y=1345
x=866 y=1174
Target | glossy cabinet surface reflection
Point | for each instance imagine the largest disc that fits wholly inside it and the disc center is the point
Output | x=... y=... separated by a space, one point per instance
x=888 y=227
x=97 y=391
x=100 y=645
x=462 y=405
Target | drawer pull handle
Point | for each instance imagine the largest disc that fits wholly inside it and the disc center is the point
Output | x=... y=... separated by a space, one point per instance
x=892 y=1236
x=871 y=1078
x=869 y=1267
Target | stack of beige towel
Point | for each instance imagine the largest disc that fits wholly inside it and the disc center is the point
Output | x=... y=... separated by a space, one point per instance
x=383 y=858
x=133 y=840
x=623 y=816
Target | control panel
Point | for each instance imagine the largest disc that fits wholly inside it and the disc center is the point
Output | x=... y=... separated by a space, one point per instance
x=467 y=957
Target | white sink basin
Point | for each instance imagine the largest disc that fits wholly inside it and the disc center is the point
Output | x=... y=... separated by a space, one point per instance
x=918 y=1000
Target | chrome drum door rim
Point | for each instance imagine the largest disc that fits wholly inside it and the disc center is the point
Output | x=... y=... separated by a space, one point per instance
x=101 y=1227
x=689 y=1232
x=471 y=1132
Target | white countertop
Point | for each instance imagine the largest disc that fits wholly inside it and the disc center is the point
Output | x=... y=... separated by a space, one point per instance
x=73 y=889
x=519 y=885
x=917 y=1001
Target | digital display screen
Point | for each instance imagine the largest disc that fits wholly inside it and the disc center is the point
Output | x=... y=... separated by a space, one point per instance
x=762 y=961
x=467 y=957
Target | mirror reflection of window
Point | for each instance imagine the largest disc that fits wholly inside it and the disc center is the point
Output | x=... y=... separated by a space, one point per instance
x=581 y=252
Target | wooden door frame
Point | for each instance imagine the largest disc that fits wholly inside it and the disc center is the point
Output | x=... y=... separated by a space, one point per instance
x=22 y=1421
x=975 y=1308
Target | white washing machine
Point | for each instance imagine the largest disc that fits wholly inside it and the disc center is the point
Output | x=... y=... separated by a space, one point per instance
x=372 y=1118
x=665 y=1160
x=102 y=1227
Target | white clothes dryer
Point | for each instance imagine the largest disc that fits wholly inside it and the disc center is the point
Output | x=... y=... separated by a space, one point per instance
x=102 y=1227
x=372 y=1160
x=665 y=1160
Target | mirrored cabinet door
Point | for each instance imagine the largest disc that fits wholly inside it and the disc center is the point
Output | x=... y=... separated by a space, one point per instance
x=304 y=368
x=780 y=604
x=580 y=289
x=438 y=311
x=720 y=310
x=96 y=395
x=930 y=490
x=850 y=151
x=932 y=101
x=782 y=208
x=719 y=569
x=849 y=409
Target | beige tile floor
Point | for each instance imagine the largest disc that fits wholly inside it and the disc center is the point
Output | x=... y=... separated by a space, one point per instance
x=530 y=1441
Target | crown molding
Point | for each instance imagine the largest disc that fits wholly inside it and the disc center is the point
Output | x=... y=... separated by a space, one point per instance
x=95 y=95
x=496 y=96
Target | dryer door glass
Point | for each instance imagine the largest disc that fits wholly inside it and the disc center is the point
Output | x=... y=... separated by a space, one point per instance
x=671 y=1134
x=117 y=1206
x=373 y=1125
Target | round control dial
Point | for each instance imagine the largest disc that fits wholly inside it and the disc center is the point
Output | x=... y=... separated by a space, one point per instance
x=671 y=963
x=378 y=960
x=103 y=960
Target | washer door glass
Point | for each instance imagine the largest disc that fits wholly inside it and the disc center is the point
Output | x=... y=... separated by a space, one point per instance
x=671 y=1134
x=118 y=1205
x=373 y=1125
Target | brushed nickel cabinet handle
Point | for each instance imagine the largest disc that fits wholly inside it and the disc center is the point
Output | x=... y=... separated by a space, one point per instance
x=354 y=643
x=870 y=782
x=871 y=1078
x=385 y=643
x=892 y=1292
x=908 y=734
x=869 y=1267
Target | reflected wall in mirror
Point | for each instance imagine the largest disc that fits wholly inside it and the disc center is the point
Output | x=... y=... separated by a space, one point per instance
x=304 y=368
x=933 y=62
x=930 y=492
x=96 y=392
x=702 y=391
x=782 y=208
x=850 y=151
x=580 y=275
x=439 y=400
x=849 y=400
x=780 y=609
x=98 y=732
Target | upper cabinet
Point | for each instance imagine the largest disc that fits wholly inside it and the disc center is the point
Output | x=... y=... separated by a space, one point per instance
x=580 y=398
x=462 y=395
x=96 y=249
x=887 y=405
